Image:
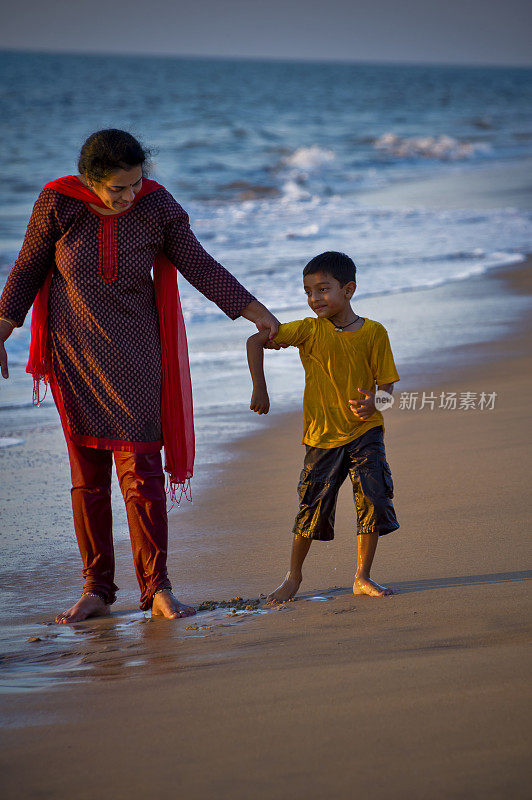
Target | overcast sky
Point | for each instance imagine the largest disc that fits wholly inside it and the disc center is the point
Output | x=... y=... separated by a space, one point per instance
x=430 y=31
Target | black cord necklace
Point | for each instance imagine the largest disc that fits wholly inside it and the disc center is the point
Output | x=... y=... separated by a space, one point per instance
x=343 y=327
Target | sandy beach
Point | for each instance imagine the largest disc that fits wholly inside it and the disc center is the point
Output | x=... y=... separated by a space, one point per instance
x=421 y=694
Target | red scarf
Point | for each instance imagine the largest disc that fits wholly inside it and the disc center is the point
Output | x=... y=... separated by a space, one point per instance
x=176 y=396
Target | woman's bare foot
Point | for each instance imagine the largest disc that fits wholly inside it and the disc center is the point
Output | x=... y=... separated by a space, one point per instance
x=87 y=606
x=166 y=605
x=369 y=587
x=286 y=590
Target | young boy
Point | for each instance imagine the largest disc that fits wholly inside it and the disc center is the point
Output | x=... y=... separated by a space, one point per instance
x=345 y=357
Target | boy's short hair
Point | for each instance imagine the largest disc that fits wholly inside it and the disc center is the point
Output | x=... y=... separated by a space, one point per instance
x=336 y=264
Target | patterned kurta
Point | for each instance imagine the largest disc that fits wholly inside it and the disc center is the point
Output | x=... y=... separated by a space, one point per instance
x=103 y=321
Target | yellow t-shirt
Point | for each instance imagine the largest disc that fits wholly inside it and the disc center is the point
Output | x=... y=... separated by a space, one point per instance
x=336 y=363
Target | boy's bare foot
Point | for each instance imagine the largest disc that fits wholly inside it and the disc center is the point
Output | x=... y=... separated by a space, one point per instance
x=87 y=606
x=286 y=590
x=369 y=587
x=166 y=605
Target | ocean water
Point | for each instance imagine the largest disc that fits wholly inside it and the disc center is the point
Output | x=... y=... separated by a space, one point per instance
x=272 y=161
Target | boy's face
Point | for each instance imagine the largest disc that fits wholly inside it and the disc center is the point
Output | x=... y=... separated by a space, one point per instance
x=325 y=295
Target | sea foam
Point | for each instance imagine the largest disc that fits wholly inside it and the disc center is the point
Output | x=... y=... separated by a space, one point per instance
x=309 y=158
x=443 y=148
x=8 y=441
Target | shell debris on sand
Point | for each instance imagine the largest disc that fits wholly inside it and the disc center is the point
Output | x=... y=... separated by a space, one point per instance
x=235 y=604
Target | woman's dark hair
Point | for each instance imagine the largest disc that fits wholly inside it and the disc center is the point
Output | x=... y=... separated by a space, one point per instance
x=336 y=264
x=106 y=151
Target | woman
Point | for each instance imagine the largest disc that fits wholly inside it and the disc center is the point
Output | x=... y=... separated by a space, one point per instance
x=112 y=346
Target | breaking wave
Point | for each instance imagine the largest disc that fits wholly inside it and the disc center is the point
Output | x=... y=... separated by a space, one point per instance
x=441 y=148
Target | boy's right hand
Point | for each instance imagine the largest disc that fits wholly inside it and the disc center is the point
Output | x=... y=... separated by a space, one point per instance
x=272 y=345
x=260 y=402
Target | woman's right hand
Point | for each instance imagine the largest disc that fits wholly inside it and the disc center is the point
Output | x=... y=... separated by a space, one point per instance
x=5 y=332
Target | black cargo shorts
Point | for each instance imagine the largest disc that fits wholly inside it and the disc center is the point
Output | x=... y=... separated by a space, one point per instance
x=324 y=471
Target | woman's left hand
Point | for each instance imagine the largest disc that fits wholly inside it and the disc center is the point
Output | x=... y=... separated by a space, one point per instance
x=263 y=319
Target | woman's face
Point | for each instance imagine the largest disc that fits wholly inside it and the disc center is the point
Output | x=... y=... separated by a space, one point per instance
x=118 y=190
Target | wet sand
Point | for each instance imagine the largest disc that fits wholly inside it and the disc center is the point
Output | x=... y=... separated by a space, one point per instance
x=421 y=694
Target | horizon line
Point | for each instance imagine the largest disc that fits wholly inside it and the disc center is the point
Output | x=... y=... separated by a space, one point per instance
x=262 y=58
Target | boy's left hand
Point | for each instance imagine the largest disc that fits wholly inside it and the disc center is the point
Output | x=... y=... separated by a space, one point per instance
x=363 y=409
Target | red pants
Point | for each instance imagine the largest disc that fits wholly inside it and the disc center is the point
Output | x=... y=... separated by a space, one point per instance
x=141 y=480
